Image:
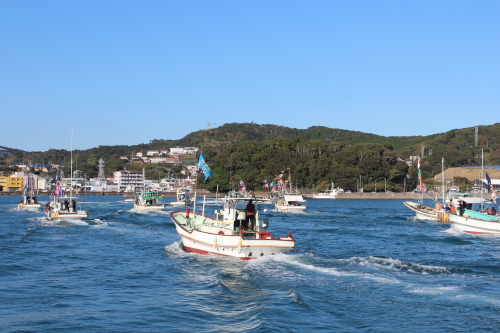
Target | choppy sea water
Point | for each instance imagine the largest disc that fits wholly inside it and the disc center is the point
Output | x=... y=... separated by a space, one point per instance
x=359 y=266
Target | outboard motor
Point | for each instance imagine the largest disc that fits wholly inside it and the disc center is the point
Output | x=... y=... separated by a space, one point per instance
x=265 y=223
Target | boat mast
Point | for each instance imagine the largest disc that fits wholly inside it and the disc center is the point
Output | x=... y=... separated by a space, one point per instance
x=71 y=168
x=442 y=177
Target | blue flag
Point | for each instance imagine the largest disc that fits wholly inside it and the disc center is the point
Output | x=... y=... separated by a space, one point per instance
x=488 y=182
x=202 y=164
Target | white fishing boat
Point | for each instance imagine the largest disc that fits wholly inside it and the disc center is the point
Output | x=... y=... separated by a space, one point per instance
x=183 y=198
x=290 y=203
x=286 y=199
x=30 y=199
x=64 y=208
x=229 y=232
x=148 y=201
x=29 y=202
x=474 y=216
x=329 y=194
x=422 y=212
x=63 y=205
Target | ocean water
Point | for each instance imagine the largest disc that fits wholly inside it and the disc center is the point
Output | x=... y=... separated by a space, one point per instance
x=359 y=266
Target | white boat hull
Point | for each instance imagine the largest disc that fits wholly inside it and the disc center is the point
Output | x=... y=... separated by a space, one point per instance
x=475 y=226
x=57 y=216
x=422 y=212
x=228 y=242
x=29 y=206
x=324 y=196
x=280 y=208
x=149 y=208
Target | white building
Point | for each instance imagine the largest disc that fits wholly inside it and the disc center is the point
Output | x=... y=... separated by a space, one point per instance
x=172 y=184
x=128 y=180
x=100 y=186
x=180 y=150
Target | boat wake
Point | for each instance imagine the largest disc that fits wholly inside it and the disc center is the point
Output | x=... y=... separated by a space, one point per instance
x=309 y=269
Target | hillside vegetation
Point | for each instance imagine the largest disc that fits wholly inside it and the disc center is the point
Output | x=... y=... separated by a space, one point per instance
x=316 y=156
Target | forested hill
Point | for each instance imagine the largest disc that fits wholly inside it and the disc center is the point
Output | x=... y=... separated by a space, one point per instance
x=236 y=132
x=327 y=145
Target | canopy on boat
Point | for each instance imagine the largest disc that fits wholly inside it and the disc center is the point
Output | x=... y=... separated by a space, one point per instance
x=294 y=198
x=474 y=200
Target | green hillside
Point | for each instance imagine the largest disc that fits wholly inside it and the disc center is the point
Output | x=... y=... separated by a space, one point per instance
x=317 y=155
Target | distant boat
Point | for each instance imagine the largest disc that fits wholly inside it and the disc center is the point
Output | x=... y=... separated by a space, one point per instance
x=148 y=201
x=228 y=234
x=183 y=197
x=286 y=200
x=290 y=203
x=331 y=194
x=64 y=206
x=30 y=199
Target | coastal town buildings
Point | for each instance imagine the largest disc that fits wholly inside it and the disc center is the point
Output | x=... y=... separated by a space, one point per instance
x=128 y=180
x=11 y=183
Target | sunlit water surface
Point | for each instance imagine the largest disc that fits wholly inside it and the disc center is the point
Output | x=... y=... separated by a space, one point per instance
x=359 y=266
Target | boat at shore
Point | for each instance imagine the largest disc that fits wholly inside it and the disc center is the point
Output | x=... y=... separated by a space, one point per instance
x=331 y=194
x=230 y=232
x=148 y=201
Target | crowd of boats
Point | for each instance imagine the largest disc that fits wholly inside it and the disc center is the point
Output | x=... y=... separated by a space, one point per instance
x=237 y=229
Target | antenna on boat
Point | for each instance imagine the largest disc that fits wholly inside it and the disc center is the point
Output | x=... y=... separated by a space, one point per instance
x=71 y=167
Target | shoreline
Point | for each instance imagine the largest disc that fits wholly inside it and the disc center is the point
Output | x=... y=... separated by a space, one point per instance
x=259 y=195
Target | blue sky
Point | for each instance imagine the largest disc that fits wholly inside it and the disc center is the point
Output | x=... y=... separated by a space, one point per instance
x=127 y=72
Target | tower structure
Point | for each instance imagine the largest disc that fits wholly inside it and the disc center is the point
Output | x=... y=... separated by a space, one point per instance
x=101 y=175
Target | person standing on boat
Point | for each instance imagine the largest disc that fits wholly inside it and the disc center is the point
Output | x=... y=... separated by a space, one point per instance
x=250 y=218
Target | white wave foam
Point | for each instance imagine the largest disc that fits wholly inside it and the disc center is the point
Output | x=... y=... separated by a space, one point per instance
x=454 y=232
x=395 y=265
x=100 y=222
x=433 y=289
x=73 y=222
x=175 y=250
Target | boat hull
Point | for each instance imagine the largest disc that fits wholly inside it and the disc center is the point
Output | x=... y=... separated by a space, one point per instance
x=324 y=196
x=57 y=216
x=475 y=226
x=290 y=208
x=30 y=206
x=422 y=212
x=149 y=208
x=234 y=244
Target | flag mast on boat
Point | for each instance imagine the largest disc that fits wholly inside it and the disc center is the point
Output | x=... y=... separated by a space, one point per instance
x=420 y=185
